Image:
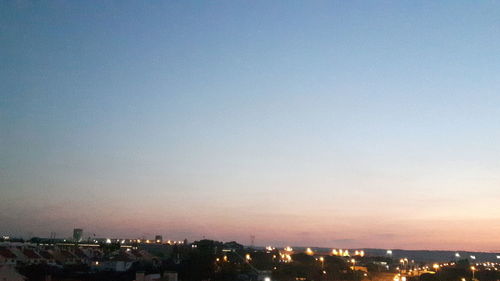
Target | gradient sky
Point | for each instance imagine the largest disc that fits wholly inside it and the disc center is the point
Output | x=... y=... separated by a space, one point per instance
x=314 y=123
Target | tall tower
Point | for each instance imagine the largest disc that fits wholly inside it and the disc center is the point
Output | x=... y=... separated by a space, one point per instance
x=77 y=234
x=159 y=239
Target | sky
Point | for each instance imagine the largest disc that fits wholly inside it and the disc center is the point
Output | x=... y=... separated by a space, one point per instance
x=305 y=123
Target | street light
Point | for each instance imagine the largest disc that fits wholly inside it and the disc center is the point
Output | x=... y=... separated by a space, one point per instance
x=473 y=268
x=309 y=251
x=353 y=268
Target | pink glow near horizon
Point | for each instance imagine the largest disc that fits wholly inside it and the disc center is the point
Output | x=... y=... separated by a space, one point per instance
x=314 y=227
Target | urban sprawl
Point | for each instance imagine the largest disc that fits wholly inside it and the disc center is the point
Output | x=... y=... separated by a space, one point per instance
x=142 y=259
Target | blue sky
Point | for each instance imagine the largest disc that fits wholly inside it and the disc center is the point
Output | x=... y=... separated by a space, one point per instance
x=288 y=120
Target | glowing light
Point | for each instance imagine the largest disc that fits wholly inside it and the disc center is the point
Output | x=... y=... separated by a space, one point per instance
x=309 y=251
x=389 y=252
x=247 y=257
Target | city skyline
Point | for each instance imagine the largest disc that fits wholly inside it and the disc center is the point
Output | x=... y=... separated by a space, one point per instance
x=352 y=124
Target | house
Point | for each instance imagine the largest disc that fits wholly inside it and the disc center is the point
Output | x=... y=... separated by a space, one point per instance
x=9 y=273
x=82 y=256
x=140 y=255
x=65 y=257
x=143 y=256
x=94 y=254
x=119 y=262
x=170 y=276
x=167 y=276
x=31 y=257
x=48 y=258
x=7 y=257
x=232 y=247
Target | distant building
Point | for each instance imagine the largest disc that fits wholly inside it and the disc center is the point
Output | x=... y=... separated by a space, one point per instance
x=158 y=239
x=77 y=234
